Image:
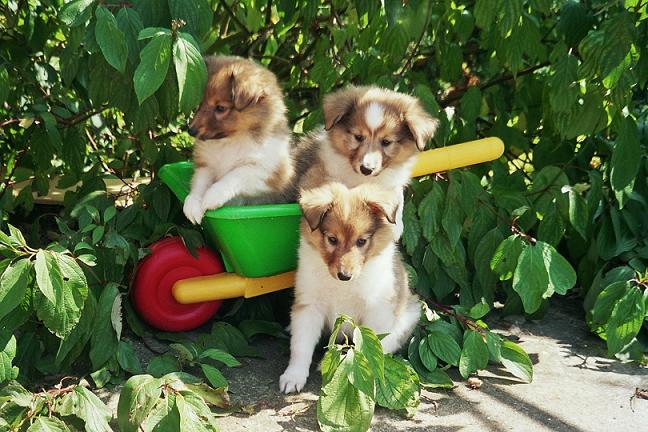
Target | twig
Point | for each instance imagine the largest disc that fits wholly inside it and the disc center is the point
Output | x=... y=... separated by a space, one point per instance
x=231 y=13
x=410 y=58
x=458 y=95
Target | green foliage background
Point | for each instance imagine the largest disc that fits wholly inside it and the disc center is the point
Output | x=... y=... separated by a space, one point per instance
x=92 y=89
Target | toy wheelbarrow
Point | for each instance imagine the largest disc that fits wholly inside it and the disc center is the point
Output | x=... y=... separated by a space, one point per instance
x=175 y=291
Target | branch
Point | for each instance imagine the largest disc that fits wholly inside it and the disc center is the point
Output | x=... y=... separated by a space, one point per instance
x=8 y=122
x=81 y=117
x=418 y=42
x=229 y=11
x=509 y=76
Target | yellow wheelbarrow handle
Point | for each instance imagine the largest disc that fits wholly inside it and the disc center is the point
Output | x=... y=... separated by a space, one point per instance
x=223 y=286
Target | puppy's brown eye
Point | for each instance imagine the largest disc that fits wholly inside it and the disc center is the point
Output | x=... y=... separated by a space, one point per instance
x=220 y=109
x=385 y=143
x=361 y=242
x=332 y=240
x=359 y=138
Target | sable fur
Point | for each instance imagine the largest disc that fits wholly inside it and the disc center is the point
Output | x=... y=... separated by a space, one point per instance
x=242 y=139
x=364 y=280
x=371 y=135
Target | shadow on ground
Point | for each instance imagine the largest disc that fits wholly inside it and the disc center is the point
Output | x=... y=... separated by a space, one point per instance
x=575 y=388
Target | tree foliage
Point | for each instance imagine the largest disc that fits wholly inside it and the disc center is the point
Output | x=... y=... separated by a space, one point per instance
x=92 y=90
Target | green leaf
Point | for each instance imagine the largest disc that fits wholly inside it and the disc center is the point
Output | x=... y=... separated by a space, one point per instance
x=438 y=378
x=47 y=424
x=214 y=396
x=411 y=228
x=129 y=22
x=13 y=285
x=444 y=346
x=474 y=355
x=626 y=156
x=162 y=365
x=251 y=328
x=214 y=376
x=195 y=415
x=562 y=276
x=48 y=274
x=578 y=213
x=341 y=406
x=76 y=12
x=430 y=210
x=127 y=358
x=471 y=104
x=453 y=215
x=191 y=72
x=230 y=339
x=70 y=291
x=105 y=339
x=506 y=257
x=516 y=361
x=552 y=227
x=220 y=356
x=530 y=279
x=361 y=376
x=82 y=403
x=111 y=39
x=367 y=343
x=626 y=320
x=7 y=354
x=426 y=355
x=401 y=388
x=136 y=401
x=154 y=64
x=606 y=301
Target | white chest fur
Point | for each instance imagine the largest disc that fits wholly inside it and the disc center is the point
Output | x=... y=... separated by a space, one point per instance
x=373 y=289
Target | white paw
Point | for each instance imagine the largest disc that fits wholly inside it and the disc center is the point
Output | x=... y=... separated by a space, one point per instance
x=293 y=380
x=211 y=202
x=193 y=209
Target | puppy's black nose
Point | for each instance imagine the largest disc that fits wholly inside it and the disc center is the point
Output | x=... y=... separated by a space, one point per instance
x=193 y=131
x=364 y=170
x=343 y=276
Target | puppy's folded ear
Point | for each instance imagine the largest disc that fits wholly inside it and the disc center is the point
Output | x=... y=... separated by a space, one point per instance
x=421 y=125
x=337 y=105
x=316 y=203
x=246 y=88
x=381 y=203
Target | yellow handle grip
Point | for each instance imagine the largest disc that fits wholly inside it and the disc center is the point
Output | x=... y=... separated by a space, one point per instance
x=223 y=286
x=457 y=156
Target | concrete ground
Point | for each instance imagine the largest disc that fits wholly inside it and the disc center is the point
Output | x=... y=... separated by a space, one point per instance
x=575 y=389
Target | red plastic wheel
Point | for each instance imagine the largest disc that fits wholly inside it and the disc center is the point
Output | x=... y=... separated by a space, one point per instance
x=152 y=295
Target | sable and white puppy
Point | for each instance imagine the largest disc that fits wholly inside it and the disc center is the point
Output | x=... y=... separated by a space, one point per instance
x=242 y=138
x=348 y=264
x=371 y=135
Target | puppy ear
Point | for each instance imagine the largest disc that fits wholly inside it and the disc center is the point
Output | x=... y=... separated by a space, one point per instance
x=381 y=203
x=246 y=90
x=316 y=203
x=421 y=125
x=337 y=105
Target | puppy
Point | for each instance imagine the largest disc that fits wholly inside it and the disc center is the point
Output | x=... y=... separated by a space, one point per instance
x=371 y=135
x=348 y=264
x=242 y=139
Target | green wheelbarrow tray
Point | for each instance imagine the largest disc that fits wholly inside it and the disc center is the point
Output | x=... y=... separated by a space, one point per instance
x=254 y=241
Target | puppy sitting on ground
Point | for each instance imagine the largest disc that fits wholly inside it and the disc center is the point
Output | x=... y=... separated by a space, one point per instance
x=348 y=264
x=242 y=138
x=371 y=135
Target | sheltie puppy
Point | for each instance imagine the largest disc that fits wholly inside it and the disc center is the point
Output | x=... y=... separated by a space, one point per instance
x=242 y=139
x=371 y=135
x=348 y=264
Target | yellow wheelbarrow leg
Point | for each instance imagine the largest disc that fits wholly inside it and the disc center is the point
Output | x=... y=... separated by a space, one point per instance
x=223 y=286
x=457 y=156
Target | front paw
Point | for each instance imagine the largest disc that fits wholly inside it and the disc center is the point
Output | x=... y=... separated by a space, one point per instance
x=193 y=209
x=293 y=380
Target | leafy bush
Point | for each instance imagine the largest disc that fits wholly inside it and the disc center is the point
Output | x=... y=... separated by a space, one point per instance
x=92 y=90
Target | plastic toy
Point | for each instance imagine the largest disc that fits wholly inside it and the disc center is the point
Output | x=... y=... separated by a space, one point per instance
x=174 y=291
